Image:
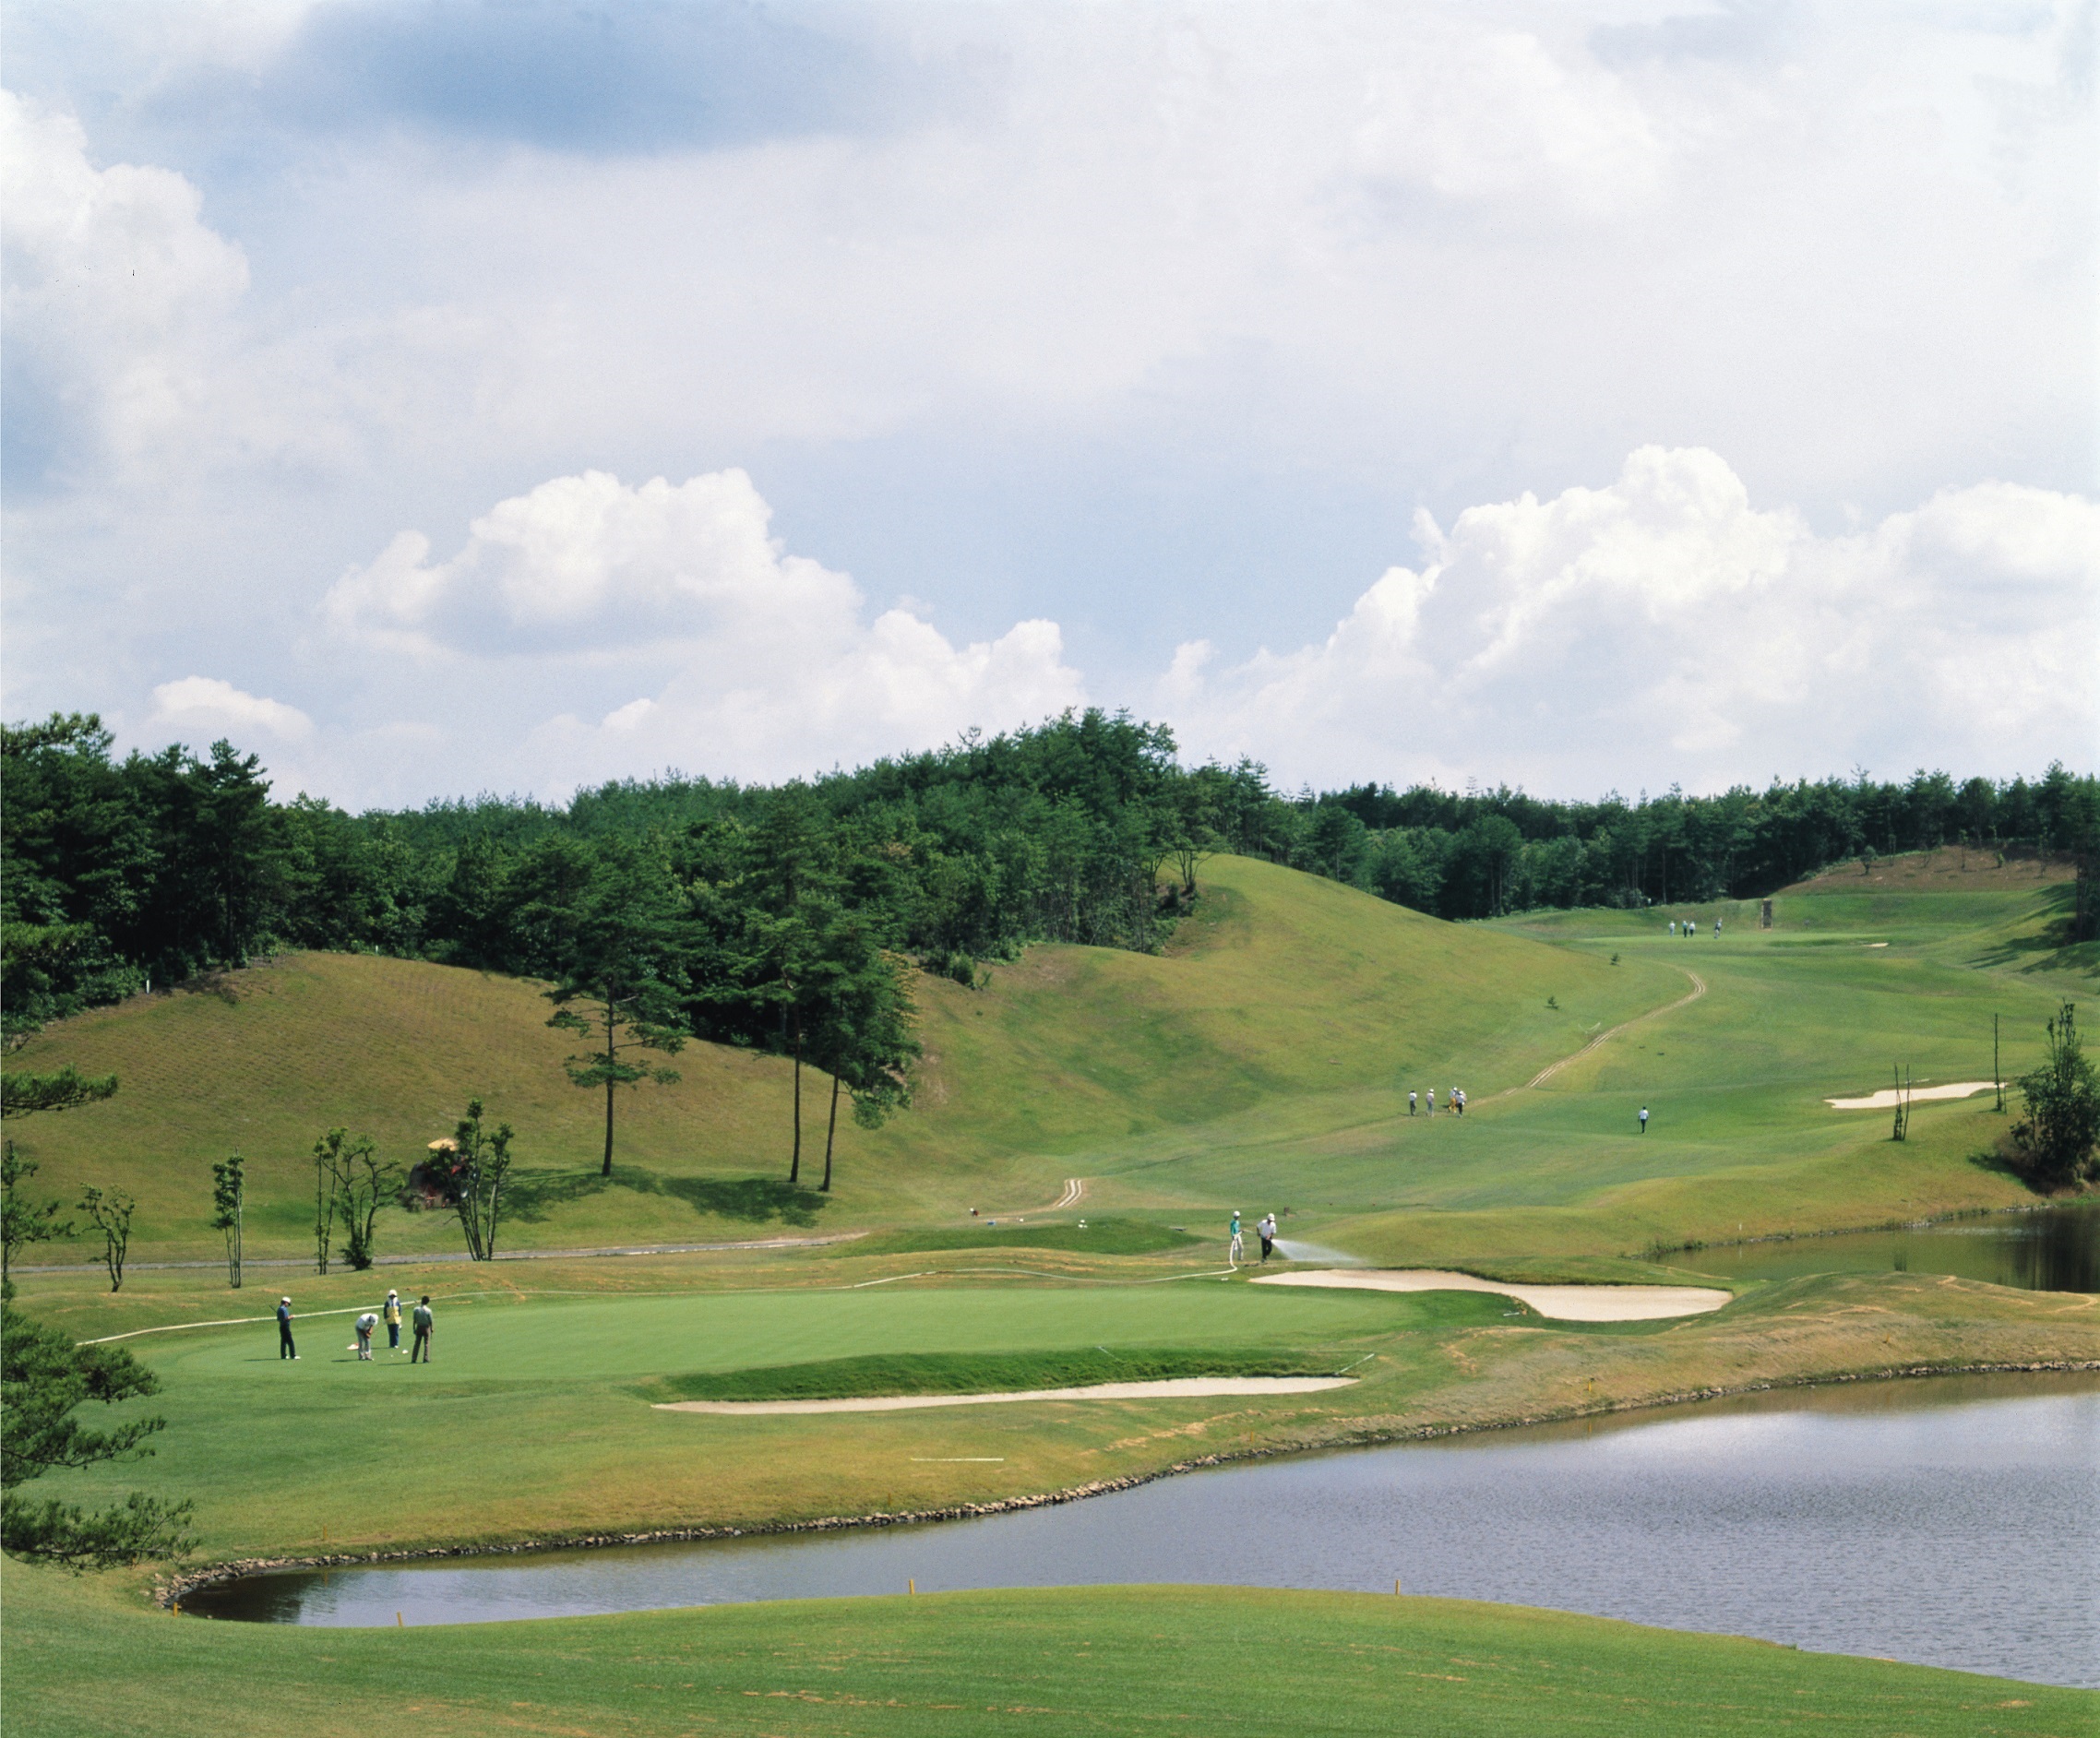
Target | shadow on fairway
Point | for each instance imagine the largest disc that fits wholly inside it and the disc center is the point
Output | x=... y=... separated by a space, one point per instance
x=532 y=1194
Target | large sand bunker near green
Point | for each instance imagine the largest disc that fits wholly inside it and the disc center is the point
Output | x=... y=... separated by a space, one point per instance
x=1171 y=1389
x=1563 y=1303
x=1886 y=1097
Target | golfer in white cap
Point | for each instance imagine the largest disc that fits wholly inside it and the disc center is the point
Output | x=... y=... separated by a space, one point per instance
x=285 y=1349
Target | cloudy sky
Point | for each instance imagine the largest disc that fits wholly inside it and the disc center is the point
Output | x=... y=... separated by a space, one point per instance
x=449 y=396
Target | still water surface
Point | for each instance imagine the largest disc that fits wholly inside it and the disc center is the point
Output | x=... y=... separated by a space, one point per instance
x=1948 y=1522
x=2051 y=1249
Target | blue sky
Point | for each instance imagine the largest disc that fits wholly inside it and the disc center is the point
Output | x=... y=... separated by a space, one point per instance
x=511 y=395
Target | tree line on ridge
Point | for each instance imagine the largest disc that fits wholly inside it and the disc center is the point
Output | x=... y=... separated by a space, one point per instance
x=780 y=916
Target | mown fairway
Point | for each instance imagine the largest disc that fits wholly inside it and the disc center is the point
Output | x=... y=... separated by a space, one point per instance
x=1262 y=1063
x=535 y=1422
x=1079 y=1661
x=1289 y=1005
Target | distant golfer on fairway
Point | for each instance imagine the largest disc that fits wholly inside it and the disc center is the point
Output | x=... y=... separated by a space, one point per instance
x=1265 y=1229
x=1411 y=1097
x=1643 y=1119
x=285 y=1349
x=393 y=1315
x=423 y=1322
x=366 y=1323
x=1235 y=1251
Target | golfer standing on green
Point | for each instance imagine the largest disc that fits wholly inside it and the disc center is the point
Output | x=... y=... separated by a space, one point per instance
x=285 y=1349
x=424 y=1322
x=1235 y=1251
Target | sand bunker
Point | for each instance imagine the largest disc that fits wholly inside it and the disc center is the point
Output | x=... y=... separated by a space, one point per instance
x=1563 y=1303
x=1885 y=1099
x=1173 y=1388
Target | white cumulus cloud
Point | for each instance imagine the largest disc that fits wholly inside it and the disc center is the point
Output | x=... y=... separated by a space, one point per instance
x=765 y=662
x=117 y=294
x=1664 y=627
x=200 y=706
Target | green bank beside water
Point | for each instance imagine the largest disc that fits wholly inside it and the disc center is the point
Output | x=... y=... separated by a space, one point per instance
x=1082 y=1662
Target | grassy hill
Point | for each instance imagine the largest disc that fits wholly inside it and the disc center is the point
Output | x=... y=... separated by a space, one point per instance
x=1262 y=1061
x=1289 y=1007
x=1079 y=1662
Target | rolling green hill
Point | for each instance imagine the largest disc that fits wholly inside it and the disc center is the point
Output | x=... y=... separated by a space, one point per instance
x=1288 y=1004
x=1262 y=1061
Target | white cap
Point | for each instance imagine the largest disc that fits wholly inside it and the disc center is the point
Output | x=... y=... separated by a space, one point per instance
x=284 y=1300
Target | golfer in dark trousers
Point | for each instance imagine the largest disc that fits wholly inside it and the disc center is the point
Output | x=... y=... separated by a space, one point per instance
x=285 y=1349
x=424 y=1322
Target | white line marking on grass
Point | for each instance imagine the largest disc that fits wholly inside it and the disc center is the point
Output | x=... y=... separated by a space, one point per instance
x=308 y=1316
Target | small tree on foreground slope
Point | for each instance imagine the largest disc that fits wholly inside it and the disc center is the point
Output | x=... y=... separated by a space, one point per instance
x=109 y=1211
x=228 y=1202
x=22 y=1221
x=44 y=1377
x=470 y=1171
x=2058 y=1134
x=358 y=1182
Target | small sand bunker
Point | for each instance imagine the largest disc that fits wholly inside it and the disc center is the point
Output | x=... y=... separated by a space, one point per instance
x=1172 y=1388
x=1885 y=1099
x=1563 y=1303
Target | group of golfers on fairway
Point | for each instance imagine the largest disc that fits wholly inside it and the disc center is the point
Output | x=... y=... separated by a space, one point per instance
x=422 y=1321
x=1456 y=1102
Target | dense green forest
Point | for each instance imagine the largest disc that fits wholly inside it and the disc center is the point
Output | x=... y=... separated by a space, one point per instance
x=776 y=915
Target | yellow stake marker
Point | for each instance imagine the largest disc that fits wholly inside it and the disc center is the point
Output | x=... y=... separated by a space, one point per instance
x=912 y=1586
x=1396 y=1585
x=397 y=1624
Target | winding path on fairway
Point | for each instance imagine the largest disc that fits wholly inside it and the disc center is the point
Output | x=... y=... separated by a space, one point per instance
x=1076 y=1186
x=1547 y=1073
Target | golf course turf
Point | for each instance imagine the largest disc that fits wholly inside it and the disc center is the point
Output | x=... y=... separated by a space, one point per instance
x=1077 y=1661
x=1262 y=1064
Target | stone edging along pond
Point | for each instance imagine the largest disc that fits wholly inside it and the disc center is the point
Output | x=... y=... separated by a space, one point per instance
x=169 y=1590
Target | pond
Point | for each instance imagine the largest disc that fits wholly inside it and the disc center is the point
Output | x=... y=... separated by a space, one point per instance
x=2049 y=1249
x=1946 y=1522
